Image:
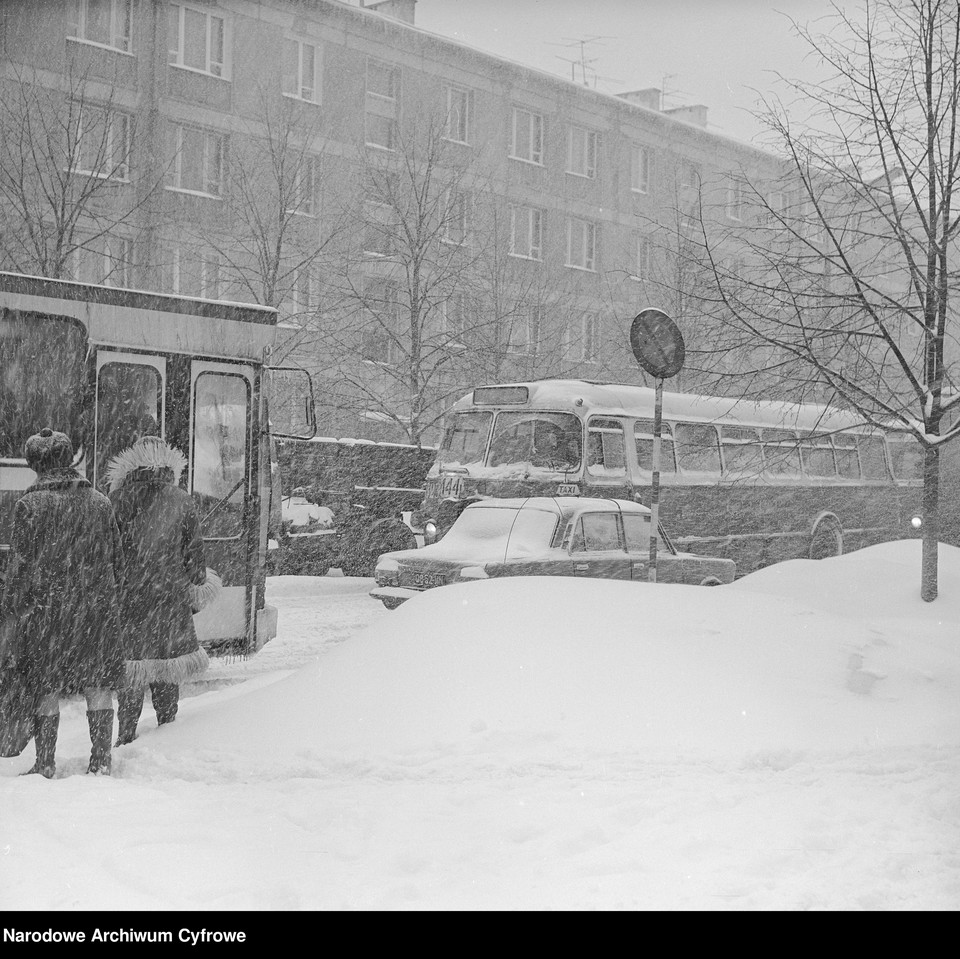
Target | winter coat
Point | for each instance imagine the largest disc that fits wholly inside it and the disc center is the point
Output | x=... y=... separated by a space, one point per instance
x=62 y=585
x=162 y=557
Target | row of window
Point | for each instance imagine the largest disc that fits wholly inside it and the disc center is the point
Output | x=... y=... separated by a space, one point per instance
x=199 y=42
x=729 y=450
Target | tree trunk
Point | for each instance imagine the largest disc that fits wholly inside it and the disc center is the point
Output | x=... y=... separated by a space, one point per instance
x=931 y=524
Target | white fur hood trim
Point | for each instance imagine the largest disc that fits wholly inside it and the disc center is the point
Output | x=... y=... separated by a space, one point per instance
x=156 y=456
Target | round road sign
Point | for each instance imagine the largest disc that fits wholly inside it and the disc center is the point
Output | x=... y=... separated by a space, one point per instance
x=657 y=343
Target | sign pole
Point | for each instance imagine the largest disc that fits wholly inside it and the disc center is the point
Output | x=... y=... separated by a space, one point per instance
x=655 y=484
x=657 y=343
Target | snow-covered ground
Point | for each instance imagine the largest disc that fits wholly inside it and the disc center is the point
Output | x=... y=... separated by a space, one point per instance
x=788 y=742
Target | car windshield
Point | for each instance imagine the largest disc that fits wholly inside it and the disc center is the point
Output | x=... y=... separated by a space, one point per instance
x=499 y=533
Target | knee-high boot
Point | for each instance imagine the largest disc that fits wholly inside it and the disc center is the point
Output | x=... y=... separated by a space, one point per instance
x=45 y=730
x=166 y=699
x=100 y=722
x=129 y=707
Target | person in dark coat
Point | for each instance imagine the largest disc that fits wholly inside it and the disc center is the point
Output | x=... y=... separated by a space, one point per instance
x=163 y=558
x=62 y=591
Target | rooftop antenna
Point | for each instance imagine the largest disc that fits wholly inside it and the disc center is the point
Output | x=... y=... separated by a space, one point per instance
x=663 y=88
x=582 y=61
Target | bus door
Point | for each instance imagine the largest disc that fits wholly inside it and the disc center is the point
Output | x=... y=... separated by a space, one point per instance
x=221 y=479
x=130 y=404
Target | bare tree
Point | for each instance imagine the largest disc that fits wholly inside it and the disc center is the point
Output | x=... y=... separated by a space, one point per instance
x=403 y=301
x=68 y=187
x=844 y=285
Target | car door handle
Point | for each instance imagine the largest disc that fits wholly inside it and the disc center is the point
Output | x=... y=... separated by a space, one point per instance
x=581 y=567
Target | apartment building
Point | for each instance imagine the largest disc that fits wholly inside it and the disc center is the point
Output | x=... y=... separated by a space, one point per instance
x=425 y=216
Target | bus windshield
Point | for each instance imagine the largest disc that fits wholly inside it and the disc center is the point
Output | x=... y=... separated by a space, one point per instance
x=547 y=440
x=41 y=378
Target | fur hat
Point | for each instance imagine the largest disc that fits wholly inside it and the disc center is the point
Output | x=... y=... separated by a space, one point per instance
x=148 y=453
x=48 y=450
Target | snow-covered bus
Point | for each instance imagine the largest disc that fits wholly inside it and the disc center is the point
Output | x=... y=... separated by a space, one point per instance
x=107 y=365
x=756 y=482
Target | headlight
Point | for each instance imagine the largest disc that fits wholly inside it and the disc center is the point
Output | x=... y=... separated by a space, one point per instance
x=429 y=532
x=387 y=573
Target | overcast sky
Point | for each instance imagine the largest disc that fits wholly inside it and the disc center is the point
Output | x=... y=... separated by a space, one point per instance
x=714 y=52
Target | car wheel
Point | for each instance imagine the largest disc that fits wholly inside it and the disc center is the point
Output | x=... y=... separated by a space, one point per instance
x=711 y=581
x=391 y=603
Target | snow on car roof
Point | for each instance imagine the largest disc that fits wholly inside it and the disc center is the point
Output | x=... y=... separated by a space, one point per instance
x=563 y=503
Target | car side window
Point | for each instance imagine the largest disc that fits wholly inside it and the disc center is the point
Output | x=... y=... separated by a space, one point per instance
x=597 y=531
x=636 y=526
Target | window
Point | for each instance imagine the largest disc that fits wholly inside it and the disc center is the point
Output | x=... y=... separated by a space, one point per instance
x=698 y=449
x=526 y=232
x=640 y=170
x=781 y=452
x=303 y=197
x=198 y=160
x=527 y=140
x=689 y=174
x=643 y=436
x=301 y=297
x=906 y=456
x=378 y=230
x=605 y=448
x=299 y=70
x=523 y=333
x=383 y=80
x=873 y=458
x=458 y=115
x=219 y=461
x=581 y=244
x=597 y=531
x=381 y=309
x=380 y=131
x=453 y=228
x=590 y=338
x=636 y=528
x=197 y=40
x=129 y=406
x=735 y=201
x=582 y=152
x=105 y=260
x=106 y=23
x=193 y=272
x=644 y=258
x=102 y=147
x=742 y=452
x=817 y=455
x=455 y=309
x=845 y=450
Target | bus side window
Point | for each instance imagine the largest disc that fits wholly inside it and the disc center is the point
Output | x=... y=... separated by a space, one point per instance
x=128 y=407
x=906 y=456
x=643 y=435
x=817 y=455
x=848 y=461
x=605 y=448
x=781 y=453
x=698 y=448
x=742 y=452
x=873 y=458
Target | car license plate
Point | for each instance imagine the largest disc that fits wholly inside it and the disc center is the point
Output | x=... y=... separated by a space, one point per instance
x=449 y=487
x=426 y=580
x=568 y=489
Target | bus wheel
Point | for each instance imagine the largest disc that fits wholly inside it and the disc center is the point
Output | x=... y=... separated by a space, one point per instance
x=382 y=537
x=826 y=538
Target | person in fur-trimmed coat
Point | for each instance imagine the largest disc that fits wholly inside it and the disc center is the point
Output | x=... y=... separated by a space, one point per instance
x=163 y=557
x=61 y=591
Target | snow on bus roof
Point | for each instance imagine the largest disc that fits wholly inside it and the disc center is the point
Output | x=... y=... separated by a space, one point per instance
x=626 y=400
